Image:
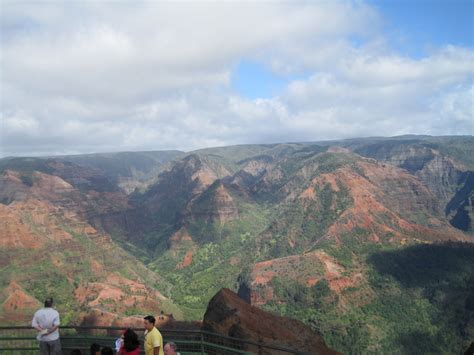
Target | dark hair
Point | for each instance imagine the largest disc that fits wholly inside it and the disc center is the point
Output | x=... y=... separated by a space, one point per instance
x=48 y=302
x=107 y=351
x=76 y=352
x=130 y=340
x=151 y=319
x=94 y=348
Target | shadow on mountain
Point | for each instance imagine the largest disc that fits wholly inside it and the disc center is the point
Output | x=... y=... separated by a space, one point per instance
x=430 y=343
x=441 y=277
x=445 y=265
x=460 y=206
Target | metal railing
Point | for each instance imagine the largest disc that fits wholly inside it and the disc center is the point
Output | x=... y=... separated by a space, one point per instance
x=22 y=340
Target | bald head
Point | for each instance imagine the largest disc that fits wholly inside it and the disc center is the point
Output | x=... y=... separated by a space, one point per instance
x=170 y=349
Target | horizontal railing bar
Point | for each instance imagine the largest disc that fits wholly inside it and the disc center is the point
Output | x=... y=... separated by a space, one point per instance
x=221 y=347
x=163 y=331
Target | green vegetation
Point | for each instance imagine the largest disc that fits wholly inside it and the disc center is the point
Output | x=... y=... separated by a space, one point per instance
x=417 y=299
x=296 y=294
x=216 y=263
x=305 y=221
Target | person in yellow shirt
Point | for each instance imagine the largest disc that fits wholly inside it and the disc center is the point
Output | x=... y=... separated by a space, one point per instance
x=153 y=338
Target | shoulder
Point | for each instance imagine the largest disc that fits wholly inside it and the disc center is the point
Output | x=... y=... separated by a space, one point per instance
x=155 y=333
x=52 y=311
x=39 y=311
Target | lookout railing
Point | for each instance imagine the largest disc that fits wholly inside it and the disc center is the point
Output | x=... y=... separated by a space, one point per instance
x=22 y=340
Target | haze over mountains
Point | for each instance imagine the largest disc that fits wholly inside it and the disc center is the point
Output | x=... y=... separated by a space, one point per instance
x=369 y=241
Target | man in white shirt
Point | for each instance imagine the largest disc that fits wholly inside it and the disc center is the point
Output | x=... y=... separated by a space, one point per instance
x=46 y=322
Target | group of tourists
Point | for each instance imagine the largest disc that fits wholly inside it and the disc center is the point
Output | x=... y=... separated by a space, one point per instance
x=46 y=322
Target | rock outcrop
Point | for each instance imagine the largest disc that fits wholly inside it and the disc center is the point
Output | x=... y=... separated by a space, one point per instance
x=229 y=315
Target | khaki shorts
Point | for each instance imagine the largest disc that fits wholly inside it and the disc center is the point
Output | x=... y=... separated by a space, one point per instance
x=50 y=347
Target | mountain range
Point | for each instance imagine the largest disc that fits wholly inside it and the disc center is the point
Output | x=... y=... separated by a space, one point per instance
x=368 y=241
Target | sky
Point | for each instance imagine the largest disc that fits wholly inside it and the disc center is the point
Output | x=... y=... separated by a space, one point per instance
x=105 y=76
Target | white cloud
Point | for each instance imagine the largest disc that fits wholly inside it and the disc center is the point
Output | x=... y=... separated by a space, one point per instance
x=88 y=76
x=455 y=107
x=20 y=122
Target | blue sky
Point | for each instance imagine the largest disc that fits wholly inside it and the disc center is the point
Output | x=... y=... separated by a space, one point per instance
x=254 y=80
x=424 y=23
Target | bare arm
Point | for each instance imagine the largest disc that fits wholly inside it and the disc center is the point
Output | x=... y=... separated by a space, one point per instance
x=156 y=351
x=52 y=329
x=35 y=324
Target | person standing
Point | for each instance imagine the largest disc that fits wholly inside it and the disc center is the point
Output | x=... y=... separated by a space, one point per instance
x=153 y=338
x=46 y=322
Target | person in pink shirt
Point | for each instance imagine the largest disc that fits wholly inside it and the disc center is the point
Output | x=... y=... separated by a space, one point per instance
x=131 y=345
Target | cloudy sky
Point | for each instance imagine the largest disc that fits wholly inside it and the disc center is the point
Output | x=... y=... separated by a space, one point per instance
x=97 y=76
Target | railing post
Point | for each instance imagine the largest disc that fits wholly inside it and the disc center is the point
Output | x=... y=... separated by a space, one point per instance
x=202 y=343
